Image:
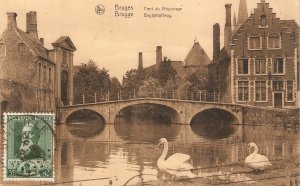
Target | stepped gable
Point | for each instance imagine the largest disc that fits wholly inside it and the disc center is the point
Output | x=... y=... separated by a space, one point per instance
x=253 y=23
x=197 y=56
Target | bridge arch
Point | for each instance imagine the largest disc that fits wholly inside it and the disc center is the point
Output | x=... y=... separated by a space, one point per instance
x=175 y=116
x=224 y=115
x=100 y=115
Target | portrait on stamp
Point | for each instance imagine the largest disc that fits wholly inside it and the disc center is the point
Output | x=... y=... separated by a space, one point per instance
x=29 y=149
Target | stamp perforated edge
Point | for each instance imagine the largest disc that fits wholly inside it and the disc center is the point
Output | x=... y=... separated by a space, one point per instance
x=4 y=156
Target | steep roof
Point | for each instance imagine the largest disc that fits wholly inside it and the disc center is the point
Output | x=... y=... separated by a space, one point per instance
x=65 y=42
x=35 y=45
x=222 y=56
x=243 y=12
x=197 y=56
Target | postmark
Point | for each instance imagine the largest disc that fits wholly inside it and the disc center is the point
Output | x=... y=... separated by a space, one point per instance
x=28 y=147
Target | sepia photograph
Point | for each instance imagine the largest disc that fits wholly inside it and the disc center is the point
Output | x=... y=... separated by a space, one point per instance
x=148 y=92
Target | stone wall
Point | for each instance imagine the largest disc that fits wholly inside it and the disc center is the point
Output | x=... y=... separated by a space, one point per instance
x=271 y=117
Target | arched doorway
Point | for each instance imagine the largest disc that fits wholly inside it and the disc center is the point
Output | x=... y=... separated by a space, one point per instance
x=64 y=87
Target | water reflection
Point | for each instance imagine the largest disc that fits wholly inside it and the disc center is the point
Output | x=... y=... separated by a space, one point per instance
x=146 y=131
x=86 y=130
x=129 y=150
x=85 y=123
x=213 y=130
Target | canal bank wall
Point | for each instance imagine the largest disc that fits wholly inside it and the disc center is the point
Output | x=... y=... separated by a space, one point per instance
x=288 y=118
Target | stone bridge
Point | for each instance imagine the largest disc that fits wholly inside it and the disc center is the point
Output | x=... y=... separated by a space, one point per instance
x=185 y=109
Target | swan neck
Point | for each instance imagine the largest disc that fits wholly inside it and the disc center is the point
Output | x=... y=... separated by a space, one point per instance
x=255 y=149
x=165 y=151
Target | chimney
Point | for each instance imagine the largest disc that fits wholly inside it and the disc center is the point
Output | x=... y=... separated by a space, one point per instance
x=42 y=41
x=158 y=54
x=11 y=19
x=140 y=66
x=216 y=40
x=227 y=29
x=31 y=24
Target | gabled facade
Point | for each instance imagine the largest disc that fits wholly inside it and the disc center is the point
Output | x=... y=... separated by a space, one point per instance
x=62 y=55
x=28 y=76
x=259 y=65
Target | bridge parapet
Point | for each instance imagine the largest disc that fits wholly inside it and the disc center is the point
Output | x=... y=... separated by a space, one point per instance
x=186 y=109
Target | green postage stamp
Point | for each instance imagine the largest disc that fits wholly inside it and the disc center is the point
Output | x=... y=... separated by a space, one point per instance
x=28 y=147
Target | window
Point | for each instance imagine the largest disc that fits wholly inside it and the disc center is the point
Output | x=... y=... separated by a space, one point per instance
x=44 y=73
x=50 y=75
x=21 y=48
x=260 y=91
x=40 y=73
x=278 y=66
x=289 y=90
x=1 y=48
x=277 y=85
x=243 y=91
x=64 y=57
x=293 y=37
x=260 y=66
x=274 y=42
x=242 y=66
x=254 y=43
x=263 y=20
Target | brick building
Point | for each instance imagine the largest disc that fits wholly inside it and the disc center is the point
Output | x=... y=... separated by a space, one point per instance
x=258 y=63
x=30 y=78
x=196 y=58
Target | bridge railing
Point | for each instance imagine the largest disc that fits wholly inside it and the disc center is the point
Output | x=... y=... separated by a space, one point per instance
x=201 y=96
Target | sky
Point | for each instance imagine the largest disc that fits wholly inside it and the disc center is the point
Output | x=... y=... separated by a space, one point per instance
x=114 y=42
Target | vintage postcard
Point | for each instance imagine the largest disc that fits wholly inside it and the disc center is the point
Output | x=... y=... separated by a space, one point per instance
x=149 y=92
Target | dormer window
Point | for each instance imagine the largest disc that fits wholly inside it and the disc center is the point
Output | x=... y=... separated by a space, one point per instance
x=263 y=20
x=21 y=48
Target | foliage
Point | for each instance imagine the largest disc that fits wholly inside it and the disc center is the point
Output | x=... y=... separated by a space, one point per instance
x=115 y=88
x=149 y=88
x=165 y=72
x=198 y=80
x=90 y=80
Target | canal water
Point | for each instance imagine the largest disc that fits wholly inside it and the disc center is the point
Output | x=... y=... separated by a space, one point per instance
x=126 y=153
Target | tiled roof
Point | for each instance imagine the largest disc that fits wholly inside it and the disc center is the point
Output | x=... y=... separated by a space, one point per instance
x=197 y=56
x=35 y=45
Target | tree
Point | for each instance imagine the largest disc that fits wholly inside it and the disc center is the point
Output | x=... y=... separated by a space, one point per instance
x=115 y=87
x=90 y=80
x=198 y=80
x=165 y=72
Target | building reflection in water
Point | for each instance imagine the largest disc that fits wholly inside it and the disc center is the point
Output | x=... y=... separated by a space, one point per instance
x=129 y=149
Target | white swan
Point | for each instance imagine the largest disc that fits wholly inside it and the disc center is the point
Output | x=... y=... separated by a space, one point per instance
x=256 y=161
x=176 y=165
